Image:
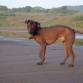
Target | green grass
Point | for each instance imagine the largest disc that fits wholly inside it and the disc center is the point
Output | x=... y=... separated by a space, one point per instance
x=78 y=42
x=79 y=18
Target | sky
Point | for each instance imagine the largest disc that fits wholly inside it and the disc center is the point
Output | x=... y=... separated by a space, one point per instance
x=41 y=3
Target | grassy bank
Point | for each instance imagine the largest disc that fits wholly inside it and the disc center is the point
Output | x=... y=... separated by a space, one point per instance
x=78 y=42
x=14 y=34
x=46 y=19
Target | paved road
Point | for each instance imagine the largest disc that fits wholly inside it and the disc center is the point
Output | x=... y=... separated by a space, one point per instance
x=18 y=65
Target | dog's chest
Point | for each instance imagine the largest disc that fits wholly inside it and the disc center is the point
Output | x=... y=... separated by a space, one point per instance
x=38 y=39
x=49 y=40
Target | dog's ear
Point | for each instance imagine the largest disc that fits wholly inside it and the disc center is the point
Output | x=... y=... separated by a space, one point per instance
x=26 y=21
x=38 y=24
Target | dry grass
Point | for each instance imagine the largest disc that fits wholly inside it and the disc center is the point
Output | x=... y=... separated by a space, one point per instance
x=46 y=19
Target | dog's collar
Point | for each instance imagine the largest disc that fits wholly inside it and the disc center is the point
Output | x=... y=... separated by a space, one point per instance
x=35 y=31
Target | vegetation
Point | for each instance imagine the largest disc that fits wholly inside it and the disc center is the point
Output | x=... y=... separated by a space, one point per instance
x=15 y=34
x=79 y=18
x=64 y=15
x=78 y=42
x=28 y=9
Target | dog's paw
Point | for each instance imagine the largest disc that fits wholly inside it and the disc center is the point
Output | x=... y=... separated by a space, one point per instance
x=71 y=65
x=62 y=63
x=39 y=63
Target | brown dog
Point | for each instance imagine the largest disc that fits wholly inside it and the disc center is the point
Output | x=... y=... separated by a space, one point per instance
x=48 y=35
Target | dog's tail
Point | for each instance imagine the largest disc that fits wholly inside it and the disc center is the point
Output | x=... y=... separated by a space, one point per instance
x=78 y=32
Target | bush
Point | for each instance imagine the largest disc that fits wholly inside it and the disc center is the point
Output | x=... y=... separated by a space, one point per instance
x=79 y=18
x=78 y=42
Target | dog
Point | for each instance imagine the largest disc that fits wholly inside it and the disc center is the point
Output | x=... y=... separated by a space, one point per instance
x=48 y=35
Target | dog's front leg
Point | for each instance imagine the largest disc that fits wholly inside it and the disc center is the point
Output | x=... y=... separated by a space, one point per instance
x=42 y=54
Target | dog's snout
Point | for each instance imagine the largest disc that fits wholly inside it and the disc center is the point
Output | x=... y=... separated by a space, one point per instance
x=31 y=31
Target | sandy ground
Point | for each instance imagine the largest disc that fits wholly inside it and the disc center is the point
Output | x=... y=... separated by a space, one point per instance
x=18 y=65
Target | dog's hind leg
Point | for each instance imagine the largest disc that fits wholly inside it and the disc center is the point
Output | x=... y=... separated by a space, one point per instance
x=70 y=49
x=67 y=54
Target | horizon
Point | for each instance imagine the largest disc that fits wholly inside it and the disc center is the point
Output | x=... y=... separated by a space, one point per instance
x=42 y=7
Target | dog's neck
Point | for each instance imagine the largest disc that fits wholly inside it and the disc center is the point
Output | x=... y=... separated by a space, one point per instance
x=36 y=31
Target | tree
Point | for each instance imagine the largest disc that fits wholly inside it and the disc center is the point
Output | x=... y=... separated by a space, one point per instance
x=3 y=8
x=28 y=9
x=64 y=9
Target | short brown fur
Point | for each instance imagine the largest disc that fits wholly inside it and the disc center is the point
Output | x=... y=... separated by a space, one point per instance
x=48 y=35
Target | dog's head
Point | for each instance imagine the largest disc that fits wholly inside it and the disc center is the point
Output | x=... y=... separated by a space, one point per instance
x=32 y=26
